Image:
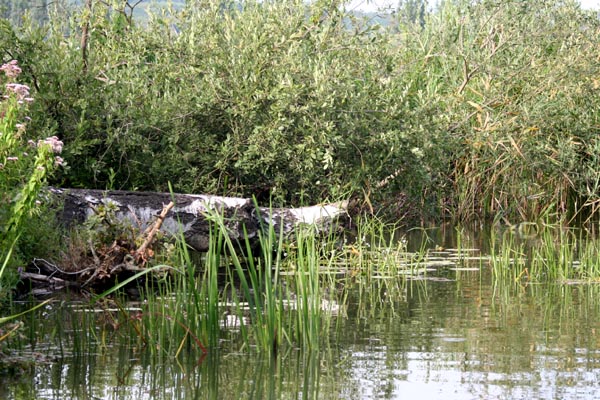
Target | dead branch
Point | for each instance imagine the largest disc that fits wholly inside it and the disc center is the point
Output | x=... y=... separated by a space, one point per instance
x=468 y=75
x=150 y=232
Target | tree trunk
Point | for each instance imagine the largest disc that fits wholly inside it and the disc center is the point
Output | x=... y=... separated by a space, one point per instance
x=191 y=213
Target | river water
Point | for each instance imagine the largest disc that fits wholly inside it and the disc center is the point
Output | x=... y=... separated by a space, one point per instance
x=453 y=334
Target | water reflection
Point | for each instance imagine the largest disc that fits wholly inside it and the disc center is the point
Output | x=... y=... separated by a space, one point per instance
x=465 y=341
x=462 y=338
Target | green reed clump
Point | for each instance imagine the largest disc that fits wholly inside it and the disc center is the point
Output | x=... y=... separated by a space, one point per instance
x=516 y=70
x=258 y=288
x=273 y=299
x=307 y=288
x=237 y=286
x=545 y=252
x=553 y=254
x=269 y=292
x=507 y=256
x=588 y=262
x=380 y=250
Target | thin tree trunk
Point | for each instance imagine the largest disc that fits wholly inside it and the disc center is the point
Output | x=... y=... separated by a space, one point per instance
x=87 y=15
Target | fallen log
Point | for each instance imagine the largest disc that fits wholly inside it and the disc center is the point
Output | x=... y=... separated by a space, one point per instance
x=135 y=218
x=191 y=214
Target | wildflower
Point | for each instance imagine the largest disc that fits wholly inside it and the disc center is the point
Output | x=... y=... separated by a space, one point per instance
x=12 y=158
x=54 y=143
x=22 y=91
x=11 y=69
x=58 y=161
x=20 y=128
x=31 y=143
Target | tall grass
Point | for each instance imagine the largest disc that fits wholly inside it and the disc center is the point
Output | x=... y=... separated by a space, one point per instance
x=308 y=289
x=545 y=253
x=284 y=292
x=236 y=284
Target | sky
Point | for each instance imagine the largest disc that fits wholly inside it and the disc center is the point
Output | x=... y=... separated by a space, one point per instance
x=374 y=5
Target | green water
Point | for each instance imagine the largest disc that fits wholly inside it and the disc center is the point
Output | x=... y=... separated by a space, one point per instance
x=455 y=339
x=452 y=334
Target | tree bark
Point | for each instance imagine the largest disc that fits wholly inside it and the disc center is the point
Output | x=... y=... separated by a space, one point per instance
x=191 y=213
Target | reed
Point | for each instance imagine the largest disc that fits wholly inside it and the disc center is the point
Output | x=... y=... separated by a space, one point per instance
x=588 y=263
x=257 y=275
x=308 y=292
x=507 y=257
x=287 y=293
x=544 y=252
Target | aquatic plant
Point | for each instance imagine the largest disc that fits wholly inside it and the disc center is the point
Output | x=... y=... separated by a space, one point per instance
x=544 y=252
x=285 y=292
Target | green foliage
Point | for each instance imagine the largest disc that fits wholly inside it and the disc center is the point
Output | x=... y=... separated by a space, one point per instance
x=21 y=174
x=522 y=103
x=479 y=108
x=244 y=100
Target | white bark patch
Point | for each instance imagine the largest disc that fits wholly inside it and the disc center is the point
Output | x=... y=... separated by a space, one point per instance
x=205 y=203
x=192 y=213
x=314 y=214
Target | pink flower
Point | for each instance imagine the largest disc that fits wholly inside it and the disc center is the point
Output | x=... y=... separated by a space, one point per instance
x=11 y=69
x=54 y=143
x=58 y=161
x=12 y=158
x=22 y=91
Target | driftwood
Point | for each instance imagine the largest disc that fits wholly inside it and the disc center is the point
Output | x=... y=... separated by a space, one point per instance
x=190 y=214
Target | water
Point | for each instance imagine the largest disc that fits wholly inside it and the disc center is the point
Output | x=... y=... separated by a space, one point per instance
x=457 y=343
x=453 y=334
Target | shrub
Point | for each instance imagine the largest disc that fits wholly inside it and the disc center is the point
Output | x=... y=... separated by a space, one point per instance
x=474 y=108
